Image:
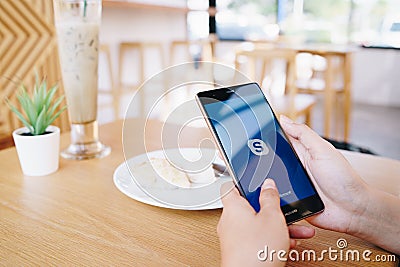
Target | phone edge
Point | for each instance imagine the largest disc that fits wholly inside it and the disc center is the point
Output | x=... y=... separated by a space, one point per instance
x=234 y=178
x=219 y=147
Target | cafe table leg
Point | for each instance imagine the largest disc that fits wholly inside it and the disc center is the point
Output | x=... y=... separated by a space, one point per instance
x=252 y=68
x=328 y=102
x=347 y=94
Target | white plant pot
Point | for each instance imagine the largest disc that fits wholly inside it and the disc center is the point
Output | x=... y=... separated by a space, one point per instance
x=38 y=155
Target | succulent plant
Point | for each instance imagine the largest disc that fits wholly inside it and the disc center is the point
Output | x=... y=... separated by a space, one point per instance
x=40 y=108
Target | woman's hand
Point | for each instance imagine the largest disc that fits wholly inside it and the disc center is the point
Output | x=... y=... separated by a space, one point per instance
x=341 y=189
x=351 y=206
x=243 y=232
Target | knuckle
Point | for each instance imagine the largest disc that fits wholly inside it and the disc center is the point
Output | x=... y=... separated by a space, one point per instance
x=303 y=129
x=270 y=193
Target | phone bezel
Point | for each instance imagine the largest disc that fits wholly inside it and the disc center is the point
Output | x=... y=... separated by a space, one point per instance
x=294 y=211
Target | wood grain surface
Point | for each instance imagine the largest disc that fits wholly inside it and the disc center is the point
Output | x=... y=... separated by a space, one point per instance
x=77 y=216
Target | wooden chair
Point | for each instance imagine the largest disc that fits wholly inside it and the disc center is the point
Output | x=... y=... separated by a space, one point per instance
x=333 y=82
x=140 y=48
x=291 y=103
x=112 y=90
x=204 y=47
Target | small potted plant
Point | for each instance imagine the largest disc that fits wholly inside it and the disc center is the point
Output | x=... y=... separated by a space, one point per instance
x=38 y=142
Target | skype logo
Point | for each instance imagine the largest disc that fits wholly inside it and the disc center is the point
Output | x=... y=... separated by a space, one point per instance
x=258 y=147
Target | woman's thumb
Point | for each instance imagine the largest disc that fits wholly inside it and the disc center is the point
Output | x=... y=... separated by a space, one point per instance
x=269 y=196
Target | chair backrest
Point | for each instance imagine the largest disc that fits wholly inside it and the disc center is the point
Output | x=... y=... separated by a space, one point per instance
x=288 y=102
x=266 y=54
x=28 y=45
x=190 y=48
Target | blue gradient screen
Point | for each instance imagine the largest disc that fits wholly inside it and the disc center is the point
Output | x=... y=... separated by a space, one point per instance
x=256 y=147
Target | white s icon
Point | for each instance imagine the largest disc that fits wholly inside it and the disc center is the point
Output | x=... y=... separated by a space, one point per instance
x=258 y=147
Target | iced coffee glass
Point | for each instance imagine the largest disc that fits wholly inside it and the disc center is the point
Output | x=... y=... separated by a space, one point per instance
x=77 y=25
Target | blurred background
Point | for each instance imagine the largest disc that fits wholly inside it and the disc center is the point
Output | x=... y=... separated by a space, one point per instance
x=331 y=64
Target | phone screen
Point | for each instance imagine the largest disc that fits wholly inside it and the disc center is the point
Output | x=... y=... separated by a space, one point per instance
x=255 y=146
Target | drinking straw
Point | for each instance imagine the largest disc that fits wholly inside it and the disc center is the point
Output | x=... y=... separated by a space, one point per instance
x=84 y=8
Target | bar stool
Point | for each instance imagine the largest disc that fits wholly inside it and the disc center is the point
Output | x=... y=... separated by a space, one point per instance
x=291 y=103
x=141 y=48
x=204 y=47
x=112 y=90
x=335 y=85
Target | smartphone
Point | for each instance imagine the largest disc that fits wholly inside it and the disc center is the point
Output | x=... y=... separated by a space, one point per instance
x=254 y=147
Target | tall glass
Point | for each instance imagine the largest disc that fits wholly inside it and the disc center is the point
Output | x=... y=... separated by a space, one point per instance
x=77 y=24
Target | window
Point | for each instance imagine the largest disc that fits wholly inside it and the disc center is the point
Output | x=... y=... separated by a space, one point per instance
x=315 y=20
x=368 y=22
x=376 y=23
x=246 y=20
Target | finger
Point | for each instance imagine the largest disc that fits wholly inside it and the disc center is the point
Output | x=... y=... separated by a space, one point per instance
x=307 y=137
x=220 y=226
x=293 y=243
x=299 y=148
x=269 y=197
x=229 y=193
x=301 y=231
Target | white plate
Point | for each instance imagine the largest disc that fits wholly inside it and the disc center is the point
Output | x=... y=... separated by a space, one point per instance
x=168 y=196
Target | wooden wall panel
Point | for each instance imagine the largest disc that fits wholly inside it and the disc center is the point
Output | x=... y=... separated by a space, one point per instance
x=27 y=44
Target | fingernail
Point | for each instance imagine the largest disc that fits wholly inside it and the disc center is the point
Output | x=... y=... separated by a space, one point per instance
x=285 y=119
x=268 y=184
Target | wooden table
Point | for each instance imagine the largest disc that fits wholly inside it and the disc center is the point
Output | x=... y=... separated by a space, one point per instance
x=77 y=216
